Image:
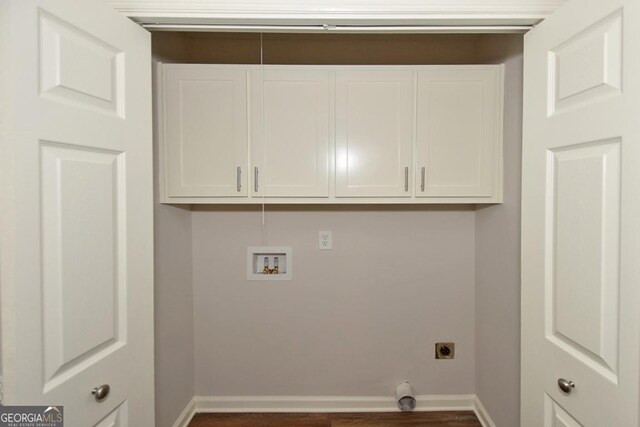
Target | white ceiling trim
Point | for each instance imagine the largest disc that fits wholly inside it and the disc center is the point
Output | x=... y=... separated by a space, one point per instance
x=346 y=12
x=341 y=29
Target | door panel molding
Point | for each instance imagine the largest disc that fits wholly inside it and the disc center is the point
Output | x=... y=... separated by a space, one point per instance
x=78 y=68
x=73 y=178
x=583 y=252
x=587 y=67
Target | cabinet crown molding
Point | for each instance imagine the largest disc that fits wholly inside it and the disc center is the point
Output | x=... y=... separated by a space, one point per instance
x=404 y=12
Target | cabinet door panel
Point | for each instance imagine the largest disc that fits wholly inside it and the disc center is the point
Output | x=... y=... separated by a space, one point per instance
x=374 y=133
x=457 y=131
x=290 y=132
x=205 y=130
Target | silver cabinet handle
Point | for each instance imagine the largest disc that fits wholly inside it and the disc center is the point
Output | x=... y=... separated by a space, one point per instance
x=406 y=178
x=423 y=174
x=565 y=385
x=101 y=393
x=238 y=178
x=255 y=179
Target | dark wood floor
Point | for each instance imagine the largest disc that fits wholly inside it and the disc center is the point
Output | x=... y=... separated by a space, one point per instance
x=382 y=419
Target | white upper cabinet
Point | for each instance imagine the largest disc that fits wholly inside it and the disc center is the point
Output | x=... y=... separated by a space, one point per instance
x=331 y=133
x=458 y=148
x=205 y=131
x=374 y=132
x=290 y=132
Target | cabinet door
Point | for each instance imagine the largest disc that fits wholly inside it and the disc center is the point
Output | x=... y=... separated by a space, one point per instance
x=205 y=130
x=374 y=133
x=290 y=132
x=458 y=137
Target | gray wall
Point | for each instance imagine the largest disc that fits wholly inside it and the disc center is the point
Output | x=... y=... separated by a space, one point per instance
x=497 y=272
x=356 y=319
x=244 y=48
x=353 y=321
x=173 y=306
x=174 y=313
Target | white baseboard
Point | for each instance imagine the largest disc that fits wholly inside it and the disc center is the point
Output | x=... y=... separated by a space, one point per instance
x=464 y=402
x=482 y=414
x=186 y=415
x=328 y=403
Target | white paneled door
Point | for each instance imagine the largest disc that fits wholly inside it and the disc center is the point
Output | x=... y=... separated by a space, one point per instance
x=581 y=210
x=76 y=265
x=374 y=133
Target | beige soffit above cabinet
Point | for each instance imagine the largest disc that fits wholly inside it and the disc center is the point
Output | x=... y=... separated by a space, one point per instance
x=345 y=12
x=293 y=134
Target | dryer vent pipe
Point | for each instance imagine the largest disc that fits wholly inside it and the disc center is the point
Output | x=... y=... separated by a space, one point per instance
x=405 y=396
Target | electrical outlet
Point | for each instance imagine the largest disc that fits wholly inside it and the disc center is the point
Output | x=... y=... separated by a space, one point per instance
x=445 y=350
x=324 y=240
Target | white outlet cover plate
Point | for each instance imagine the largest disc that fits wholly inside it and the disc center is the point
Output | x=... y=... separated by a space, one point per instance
x=325 y=241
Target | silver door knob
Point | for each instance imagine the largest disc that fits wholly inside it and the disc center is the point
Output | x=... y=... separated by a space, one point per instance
x=565 y=385
x=101 y=393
